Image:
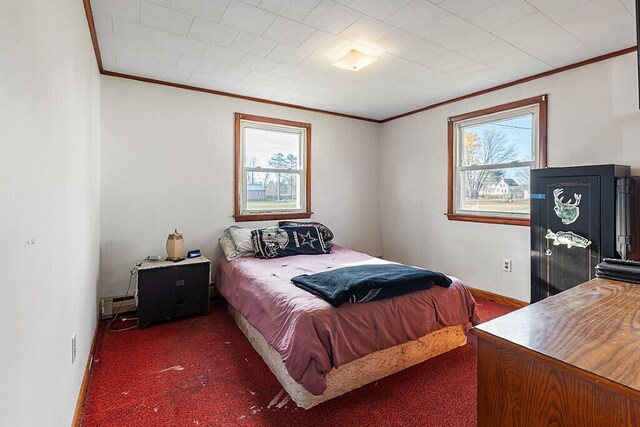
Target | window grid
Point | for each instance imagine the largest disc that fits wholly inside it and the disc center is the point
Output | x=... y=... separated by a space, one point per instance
x=301 y=183
x=459 y=171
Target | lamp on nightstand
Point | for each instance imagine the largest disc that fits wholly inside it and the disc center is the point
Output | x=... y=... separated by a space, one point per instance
x=175 y=244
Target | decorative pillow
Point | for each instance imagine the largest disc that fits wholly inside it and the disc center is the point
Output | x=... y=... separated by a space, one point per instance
x=276 y=242
x=228 y=247
x=327 y=234
x=241 y=238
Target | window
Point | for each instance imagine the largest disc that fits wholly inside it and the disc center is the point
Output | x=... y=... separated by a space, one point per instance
x=491 y=153
x=272 y=169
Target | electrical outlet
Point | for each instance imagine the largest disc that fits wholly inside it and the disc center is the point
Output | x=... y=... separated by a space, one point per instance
x=73 y=348
x=506 y=264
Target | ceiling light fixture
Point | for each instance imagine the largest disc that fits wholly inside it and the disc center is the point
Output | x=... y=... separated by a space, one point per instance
x=355 y=61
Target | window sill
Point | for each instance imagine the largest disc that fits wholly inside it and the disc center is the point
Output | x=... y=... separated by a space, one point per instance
x=272 y=216
x=524 y=222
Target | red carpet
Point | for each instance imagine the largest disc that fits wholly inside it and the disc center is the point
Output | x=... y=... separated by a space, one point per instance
x=203 y=371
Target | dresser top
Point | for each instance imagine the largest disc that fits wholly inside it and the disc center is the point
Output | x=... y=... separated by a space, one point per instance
x=594 y=326
x=147 y=264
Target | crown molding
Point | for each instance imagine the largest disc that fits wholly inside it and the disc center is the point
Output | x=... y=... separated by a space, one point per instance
x=234 y=95
x=517 y=82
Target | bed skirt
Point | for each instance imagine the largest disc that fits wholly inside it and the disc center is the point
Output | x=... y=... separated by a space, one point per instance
x=359 y=372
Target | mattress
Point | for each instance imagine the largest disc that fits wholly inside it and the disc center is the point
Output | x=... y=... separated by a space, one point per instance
x=312 y=336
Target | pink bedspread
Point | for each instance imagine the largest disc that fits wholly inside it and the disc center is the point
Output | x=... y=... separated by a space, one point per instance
x=310 y=334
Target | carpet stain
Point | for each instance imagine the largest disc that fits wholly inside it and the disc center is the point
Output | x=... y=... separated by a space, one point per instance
x=276 y=399
x=173 y=368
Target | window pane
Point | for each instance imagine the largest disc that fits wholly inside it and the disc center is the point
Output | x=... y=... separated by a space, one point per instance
x=500 y=141
x=271 y=148
x=272 y=191
x=495 y=190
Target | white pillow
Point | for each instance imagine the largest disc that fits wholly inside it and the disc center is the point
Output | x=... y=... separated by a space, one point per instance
x=242 y=239
x=228 y=247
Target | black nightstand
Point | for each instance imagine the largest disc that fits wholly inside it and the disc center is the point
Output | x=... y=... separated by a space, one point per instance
x=168 y=290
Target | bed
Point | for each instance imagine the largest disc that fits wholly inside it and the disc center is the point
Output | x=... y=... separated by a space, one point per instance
x=318 y=351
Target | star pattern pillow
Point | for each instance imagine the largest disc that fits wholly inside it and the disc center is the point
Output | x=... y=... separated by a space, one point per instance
x=276 y=242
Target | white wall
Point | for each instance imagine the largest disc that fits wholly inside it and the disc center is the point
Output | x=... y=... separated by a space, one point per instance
x=167 y=162
x=49 y=208
x=593 y=119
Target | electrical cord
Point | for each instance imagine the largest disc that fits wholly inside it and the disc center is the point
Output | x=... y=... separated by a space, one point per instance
x=133 y=272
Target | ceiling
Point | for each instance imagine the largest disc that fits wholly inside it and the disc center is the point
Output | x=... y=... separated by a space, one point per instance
x=281 y=50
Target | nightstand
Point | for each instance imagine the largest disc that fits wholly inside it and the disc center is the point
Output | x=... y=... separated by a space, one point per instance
x=168 y=290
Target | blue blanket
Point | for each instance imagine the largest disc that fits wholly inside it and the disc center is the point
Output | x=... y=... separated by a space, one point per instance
x=365 y=283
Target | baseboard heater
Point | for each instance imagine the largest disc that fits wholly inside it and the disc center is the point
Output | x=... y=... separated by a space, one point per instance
x=109 y=305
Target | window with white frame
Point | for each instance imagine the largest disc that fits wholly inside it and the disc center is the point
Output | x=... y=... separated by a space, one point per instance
x=491 y=154
x=272 y=169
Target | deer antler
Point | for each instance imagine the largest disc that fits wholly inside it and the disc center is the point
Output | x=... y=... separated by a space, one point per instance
x=559 y=199
x=577 y=197
x=556 y=195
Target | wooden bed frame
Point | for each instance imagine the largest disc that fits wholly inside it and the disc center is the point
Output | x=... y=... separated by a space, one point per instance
x=352 y=375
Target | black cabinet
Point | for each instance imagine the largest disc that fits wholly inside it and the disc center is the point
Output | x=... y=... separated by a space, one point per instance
x=573 y=225
x=168 y=290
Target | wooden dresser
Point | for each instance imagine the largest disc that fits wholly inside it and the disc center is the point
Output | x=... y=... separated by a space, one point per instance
x=570 y=360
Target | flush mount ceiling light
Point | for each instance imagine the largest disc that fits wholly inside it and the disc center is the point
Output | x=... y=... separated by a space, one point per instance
x=355 y=61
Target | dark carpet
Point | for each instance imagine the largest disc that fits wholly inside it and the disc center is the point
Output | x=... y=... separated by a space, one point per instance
x=202 y=371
